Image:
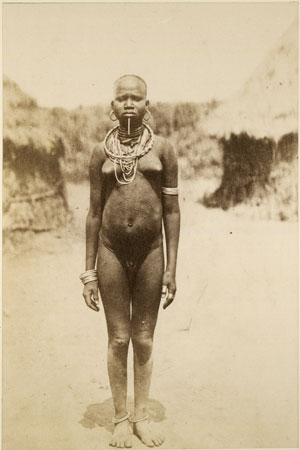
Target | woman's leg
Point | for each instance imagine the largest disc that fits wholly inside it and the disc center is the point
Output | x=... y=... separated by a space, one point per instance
x=145 y=304
x=114 y=291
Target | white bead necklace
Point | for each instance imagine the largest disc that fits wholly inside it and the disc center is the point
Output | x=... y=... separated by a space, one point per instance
x=127 y=162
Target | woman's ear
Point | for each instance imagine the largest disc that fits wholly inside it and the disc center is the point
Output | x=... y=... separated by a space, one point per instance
x=147 y=103
x=112 y=104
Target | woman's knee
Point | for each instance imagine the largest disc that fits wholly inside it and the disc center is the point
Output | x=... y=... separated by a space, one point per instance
x=119 y=343
x=142 y=347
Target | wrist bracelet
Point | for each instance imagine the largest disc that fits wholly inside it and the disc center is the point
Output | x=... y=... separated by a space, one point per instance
x=89 y=275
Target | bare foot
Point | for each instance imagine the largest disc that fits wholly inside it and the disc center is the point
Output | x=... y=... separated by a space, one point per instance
x=147 y=434
x=122 y=435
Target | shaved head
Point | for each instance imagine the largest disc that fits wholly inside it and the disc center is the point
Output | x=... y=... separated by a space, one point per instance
x=131 y=80
x=130 y=96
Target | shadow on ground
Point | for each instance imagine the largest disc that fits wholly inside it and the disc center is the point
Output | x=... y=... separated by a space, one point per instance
x=100 y=414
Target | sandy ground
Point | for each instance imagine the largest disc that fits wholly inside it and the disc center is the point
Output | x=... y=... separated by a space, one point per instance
x=225 y=362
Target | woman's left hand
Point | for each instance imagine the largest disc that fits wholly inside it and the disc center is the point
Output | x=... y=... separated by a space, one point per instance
x=168 y=290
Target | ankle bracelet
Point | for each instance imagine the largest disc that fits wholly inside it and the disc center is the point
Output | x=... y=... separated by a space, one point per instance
x=138 y=420
x=115 y=420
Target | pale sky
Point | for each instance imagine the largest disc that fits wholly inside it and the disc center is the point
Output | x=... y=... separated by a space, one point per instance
x=70 y=54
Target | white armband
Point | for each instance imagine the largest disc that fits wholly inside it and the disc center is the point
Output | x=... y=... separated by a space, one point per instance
x=170 y=190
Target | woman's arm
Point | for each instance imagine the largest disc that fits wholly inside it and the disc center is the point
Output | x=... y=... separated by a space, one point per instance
x=171 y=219
x=94 y=217
x=93 y=224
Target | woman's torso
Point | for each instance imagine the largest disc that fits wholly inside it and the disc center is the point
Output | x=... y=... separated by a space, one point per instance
x=132 y=213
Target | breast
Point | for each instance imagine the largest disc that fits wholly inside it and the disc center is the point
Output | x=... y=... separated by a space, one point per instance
x=107 y=168
x=147 y=164
x=150 y=163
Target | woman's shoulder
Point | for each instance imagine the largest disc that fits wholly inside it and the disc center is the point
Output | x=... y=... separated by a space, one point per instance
x=164 y=146
x=98 y=153
x=99 y=148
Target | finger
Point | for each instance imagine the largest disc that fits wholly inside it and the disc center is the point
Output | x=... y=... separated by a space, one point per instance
x=96 y=298
x=89 y=302
x=93 y=306
x=86 y=298
x=163 y=297
x=164 y=290
x=93 y=301
x=169 y=300
x=167 y=303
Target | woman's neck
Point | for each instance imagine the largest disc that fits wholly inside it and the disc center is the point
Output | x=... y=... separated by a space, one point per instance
x=130 y=125
x=130 y=134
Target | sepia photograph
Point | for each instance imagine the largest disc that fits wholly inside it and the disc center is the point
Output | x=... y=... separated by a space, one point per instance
x=150 y=225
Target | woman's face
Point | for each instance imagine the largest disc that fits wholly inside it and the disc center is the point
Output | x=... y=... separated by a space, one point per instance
x=130 y=101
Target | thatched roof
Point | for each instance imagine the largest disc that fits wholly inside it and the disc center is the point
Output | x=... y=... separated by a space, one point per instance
x=24 y=122
x=33 y=185
x=266 y=106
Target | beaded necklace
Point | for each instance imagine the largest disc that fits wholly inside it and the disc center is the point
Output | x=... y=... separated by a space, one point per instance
x=131 y=138
x=127 y=160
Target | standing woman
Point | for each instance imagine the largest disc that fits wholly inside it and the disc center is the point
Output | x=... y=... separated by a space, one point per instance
x=133 y=189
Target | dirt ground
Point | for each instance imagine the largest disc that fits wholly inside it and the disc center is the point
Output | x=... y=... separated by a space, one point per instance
x=225 y=359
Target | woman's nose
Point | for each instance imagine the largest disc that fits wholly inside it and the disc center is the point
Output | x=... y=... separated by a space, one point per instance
x=128 y=103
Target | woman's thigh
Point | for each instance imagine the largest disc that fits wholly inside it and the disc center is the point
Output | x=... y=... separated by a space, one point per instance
x=147 y=293
x=114 y=292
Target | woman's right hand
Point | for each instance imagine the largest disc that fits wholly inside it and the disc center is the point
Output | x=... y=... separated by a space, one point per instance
x=91 y=295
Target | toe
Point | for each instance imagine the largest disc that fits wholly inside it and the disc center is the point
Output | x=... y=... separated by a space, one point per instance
x=161 y=438
x=112 y=443
x=128 y=443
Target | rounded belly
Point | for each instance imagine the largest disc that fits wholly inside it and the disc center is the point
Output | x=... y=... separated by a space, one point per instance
x=132 y=216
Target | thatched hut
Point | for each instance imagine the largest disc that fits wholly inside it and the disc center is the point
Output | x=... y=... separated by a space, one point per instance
x=257 y=129
x=33 y=184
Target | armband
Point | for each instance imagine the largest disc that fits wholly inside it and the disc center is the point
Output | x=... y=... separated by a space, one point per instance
x=170 y=190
